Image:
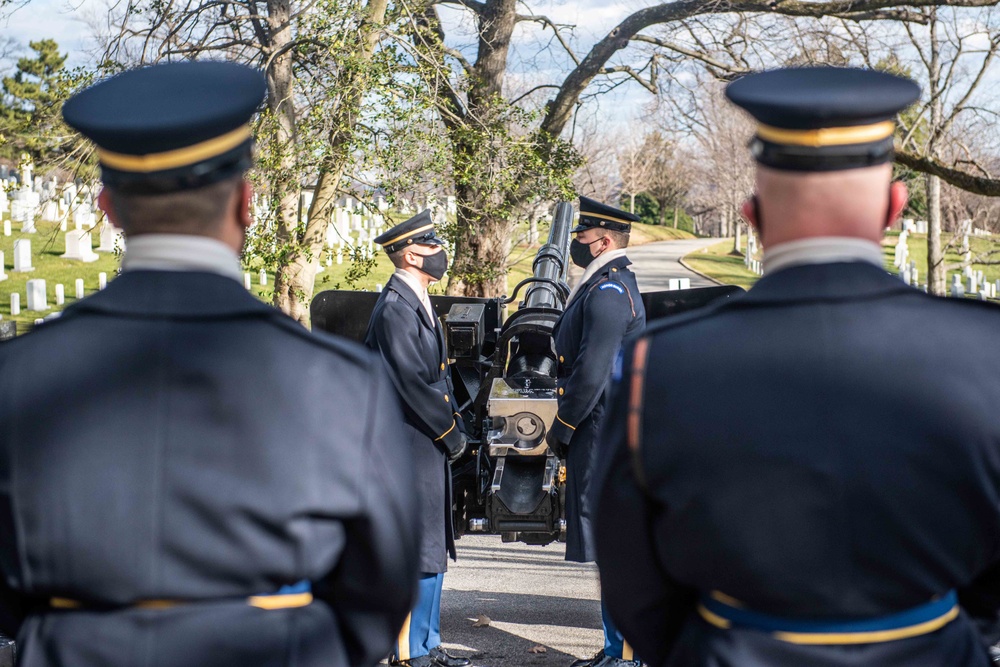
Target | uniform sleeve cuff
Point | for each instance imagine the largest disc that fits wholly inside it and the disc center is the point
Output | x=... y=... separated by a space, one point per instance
x=562 y=431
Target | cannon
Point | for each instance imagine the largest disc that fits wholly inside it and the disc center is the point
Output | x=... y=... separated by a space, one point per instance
x=504 y=376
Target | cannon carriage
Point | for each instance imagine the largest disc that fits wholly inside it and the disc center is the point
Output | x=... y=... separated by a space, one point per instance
x=503 y=373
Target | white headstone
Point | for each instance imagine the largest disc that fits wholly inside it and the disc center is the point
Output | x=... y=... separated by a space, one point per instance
x=102 y=280
x=378 y=287
x=15 y=304
x=6 y=227
x=3 y=275
x=60 y=294
x=340 y=256
x=973 y=284
x=37 y=299
x=28 y=221
x=78 y=246
x=263 y=277
x=109 y=237
x=50 y=211
x=246 y=280
x=79 y=288
x=22 y=256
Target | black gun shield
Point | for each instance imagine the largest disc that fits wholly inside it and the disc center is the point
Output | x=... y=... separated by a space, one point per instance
x=346 y=313
x=674 y=302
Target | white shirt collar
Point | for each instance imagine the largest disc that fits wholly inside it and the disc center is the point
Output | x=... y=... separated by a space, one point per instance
x=181 y=252
x=821 y=250
x=594 y=267
x=411 y=281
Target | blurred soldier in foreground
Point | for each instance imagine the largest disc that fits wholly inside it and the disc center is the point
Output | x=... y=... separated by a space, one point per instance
x=603 y=308
x=187 y=476
x=804 y=475
x=406 y=333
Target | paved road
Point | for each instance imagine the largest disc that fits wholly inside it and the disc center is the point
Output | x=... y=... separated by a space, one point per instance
x=532 y=597
x=656 y=263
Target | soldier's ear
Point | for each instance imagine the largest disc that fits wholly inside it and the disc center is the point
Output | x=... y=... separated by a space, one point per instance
x=243 y=204
x=898 y=197
x=749 y=211
x=104 y=203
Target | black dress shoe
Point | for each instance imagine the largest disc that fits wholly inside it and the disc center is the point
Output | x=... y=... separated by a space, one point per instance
x=590 y=662
x=421 y=661
x=442 y=658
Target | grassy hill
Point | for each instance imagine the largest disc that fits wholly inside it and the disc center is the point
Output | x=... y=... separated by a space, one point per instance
x=49 y=243
x=720 y=263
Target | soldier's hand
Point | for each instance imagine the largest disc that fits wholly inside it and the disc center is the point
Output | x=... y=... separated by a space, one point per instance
x=455 y=453
x=560 y=449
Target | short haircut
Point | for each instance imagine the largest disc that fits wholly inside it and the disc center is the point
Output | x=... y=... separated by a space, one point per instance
x=197 y=211
x=397 y=258
x=620 y=239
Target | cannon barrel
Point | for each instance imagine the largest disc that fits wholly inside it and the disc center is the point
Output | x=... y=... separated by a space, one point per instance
x=550 y=263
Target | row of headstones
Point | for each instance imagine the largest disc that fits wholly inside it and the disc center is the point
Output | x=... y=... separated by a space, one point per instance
x=985 y=291
x=37 y=294
x=914 y=226
x=83 y=217
x=78 y=247
x=262 y=279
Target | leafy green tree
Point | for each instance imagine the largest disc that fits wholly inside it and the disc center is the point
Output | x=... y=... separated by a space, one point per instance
x=31 y=104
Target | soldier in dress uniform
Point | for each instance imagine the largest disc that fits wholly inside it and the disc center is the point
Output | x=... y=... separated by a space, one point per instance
x=187 y=476
x=407 y=335
x=804 y=475
x=602 y=309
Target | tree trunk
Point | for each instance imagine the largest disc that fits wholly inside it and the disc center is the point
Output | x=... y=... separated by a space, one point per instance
x=295 y=280
x=481 y=249
x=631 y=203
x=676 y=212
x=737 y=228
x=936 y=277
x=284 y=186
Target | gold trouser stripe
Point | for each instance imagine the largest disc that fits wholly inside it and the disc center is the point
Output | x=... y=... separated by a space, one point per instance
x=572 y=428
x=634 y=422
x=828 y=136
x=821 y=638
x=64 y=603
x=626 y=651
x=714 y=619
x=180 y=157
x=268 y=602
x=404 y=640
x=440 y=437
x=290 y=601
x=409 y=234
x=605 y=217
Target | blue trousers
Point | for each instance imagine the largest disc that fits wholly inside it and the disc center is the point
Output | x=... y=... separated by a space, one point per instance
x=422 y=629
x=614 y=644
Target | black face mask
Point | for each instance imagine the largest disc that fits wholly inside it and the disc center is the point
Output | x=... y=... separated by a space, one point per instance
x=579 y=252
x=435 y=265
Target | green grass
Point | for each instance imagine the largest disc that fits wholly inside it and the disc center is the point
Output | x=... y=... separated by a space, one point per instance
x=46 y=247
x=717 y=262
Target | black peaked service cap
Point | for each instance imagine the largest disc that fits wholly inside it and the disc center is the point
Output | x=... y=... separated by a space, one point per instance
x=170 y=127
x=418 y=230
x=823 y=118
x=595 y=215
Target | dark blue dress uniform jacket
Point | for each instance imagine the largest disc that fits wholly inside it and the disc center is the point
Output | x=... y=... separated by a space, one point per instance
x=172 y=438
x=588 y=337
x=826 y=447
x=412 y=348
